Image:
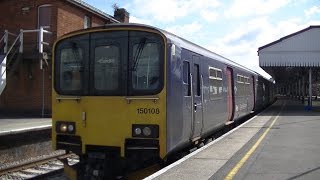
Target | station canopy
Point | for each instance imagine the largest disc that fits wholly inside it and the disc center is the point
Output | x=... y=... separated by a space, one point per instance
x=291 y=55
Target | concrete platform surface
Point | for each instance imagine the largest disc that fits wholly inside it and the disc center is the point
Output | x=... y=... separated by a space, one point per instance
x=20 y=125
x=291 y=150
x=286 y=145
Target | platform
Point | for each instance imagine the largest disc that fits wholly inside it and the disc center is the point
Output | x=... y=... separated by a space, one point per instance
x=282 y=142
x=10 y=126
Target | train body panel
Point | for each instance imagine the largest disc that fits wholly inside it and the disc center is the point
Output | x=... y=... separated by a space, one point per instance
x=178 y=127
x=93 y=117
x=211 y=100
x=244 y=99
x=184 y=122
x=144 y=94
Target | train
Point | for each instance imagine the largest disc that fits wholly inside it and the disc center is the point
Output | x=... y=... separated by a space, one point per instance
x=126 y=96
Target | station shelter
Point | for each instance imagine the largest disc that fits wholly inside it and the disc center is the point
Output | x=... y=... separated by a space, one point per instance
x=293 y=62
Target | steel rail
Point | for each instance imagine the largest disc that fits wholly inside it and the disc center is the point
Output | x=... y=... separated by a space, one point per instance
x=33 y=163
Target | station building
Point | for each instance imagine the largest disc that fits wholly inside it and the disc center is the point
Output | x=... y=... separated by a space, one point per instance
x=294 y=63
x=28 y=29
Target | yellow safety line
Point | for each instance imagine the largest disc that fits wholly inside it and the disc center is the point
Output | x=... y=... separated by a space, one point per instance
x=235 y=170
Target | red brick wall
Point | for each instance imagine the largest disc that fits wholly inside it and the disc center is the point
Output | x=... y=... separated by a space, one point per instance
x=71 y=19
x=23 y=93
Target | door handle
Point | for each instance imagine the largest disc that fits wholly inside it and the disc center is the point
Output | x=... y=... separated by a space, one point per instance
x=195 y=107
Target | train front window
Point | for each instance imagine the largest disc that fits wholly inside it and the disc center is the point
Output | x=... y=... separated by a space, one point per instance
x=71 y=68
x=110 y=63
x=71 y=56
x=146 y=74
x=146 y=52
x=107 y=65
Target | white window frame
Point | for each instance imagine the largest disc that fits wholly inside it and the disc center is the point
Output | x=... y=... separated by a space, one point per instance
x=239 y=79
x=216 y=73
x=87 y=22
x=41 y=6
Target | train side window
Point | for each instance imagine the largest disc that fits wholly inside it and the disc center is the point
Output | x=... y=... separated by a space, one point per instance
x=240 y=85
x=197 y=79
x=243 y=85
x=186 y=78
x=247 y=88
x=219 y=74
x=215 y=83
x=186 y=72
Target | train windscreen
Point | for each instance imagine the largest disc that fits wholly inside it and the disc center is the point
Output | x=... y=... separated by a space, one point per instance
x=110 y=63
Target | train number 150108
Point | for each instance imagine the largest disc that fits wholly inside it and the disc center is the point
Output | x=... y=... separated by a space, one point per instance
x=148 y=111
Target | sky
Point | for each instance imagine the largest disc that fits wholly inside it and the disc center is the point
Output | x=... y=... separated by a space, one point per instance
x=234 y=29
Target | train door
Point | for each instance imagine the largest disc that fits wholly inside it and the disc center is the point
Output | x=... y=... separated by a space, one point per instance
x=196 y=98
x=253 y=80
x=230 y=96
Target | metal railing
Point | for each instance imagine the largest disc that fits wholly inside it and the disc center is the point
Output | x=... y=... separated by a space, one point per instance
x=5 y=39
x=3 y=58
x=19 y=38
x=40 y=32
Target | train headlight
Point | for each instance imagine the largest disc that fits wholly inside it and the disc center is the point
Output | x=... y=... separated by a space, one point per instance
x=70 y=128
x=145 y=130
x=137 y=131
x=65 y=127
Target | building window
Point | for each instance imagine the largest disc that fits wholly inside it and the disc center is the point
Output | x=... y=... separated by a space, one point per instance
x=86 y=22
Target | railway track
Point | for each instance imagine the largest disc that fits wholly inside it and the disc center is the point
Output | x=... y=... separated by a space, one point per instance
x=37 y=168
x=49 y=166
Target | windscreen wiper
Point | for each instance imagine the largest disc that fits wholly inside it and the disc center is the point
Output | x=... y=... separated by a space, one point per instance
x=76 y=56
x=138 y=53
x=75 y=51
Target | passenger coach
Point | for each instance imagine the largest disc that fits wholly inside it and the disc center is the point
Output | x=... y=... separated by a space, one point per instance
x=127 y=96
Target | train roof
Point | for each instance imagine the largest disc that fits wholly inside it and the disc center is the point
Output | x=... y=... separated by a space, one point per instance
x=179 y=41
x=201 y=50
x=194 y=47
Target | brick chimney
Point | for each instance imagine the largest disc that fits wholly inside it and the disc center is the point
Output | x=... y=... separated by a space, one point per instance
x=121 y=15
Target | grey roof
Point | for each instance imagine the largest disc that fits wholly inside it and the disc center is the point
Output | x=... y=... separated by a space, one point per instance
x=288 y=36
x=92 y=9
x=300 y=49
